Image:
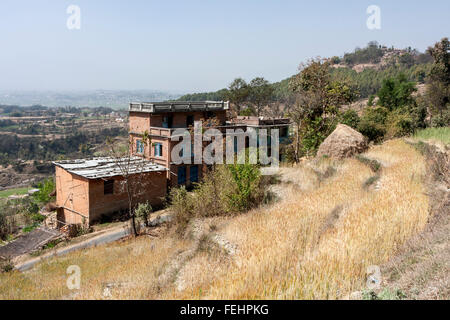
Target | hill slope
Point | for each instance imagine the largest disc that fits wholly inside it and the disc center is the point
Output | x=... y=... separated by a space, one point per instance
x=333 y=220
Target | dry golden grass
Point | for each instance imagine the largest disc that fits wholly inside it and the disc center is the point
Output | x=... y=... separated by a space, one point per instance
x=132 y=267
x=314 y=244
x=281 y=255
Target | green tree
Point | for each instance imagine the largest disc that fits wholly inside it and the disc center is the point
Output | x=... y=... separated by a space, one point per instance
x=238 y=92
x=396 y=92
x=317 y=104
x=260 y=93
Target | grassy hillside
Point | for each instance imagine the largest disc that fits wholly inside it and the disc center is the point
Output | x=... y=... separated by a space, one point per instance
x=333 y=220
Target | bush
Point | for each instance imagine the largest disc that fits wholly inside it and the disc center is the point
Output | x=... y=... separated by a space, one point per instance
x=227 y=189
x=45 y=187
x=439 y=121
x=350 y=118
x=247 y=191
x=143 y=211
x=314 y=133
x=373 y=123
x=405 y=121
x=182 y=207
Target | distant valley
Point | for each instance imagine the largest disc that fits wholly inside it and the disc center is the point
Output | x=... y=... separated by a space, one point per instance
x=115 y=99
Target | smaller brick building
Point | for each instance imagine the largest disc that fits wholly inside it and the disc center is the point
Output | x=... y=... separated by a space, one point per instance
x=87 y=190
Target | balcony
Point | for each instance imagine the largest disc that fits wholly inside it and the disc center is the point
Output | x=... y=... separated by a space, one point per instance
x=178 y=106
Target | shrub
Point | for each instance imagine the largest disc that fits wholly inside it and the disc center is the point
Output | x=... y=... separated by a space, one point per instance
x=6 y=265
x=45 y=187
x=441 y=120
x=247 y=112
x=373 y=164
x=182 y=207
x=405 y=121
x=350 y=118
x=315 y=132
x=247 y=191
x=143 y=211
x=227 y=189
x=373 y=123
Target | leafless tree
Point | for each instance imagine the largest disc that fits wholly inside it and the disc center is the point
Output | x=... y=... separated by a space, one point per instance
x=133 y=173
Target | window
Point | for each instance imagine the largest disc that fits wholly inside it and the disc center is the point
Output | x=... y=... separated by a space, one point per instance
x=158 y=149
x=193 y=174
x=167 y=122
x=139 y=146
x=189 y=121
x=284 y=132
x=108 y=187
x=181 y=175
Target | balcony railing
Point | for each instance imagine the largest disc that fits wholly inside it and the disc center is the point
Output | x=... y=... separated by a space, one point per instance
x=178 y=106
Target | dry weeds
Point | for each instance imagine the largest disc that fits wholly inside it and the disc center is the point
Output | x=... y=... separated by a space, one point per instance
x=301 y=247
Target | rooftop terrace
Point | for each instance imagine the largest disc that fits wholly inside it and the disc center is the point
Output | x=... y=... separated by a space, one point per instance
x=178 y=106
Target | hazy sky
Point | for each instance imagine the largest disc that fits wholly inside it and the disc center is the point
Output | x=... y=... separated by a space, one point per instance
x=193 y=45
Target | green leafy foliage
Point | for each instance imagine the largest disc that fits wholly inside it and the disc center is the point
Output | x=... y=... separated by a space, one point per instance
x=396 y=92
x=45 y=187
x=225 y=190
x=373 y=123
x=143 y=211
x=350 y=118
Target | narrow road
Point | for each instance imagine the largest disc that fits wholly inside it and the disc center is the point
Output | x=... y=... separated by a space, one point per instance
x=103 y=238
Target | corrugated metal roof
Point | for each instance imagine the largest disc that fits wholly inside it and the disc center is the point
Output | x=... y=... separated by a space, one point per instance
x=97 y=168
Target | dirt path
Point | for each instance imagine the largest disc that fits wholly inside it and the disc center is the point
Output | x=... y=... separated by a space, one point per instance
x=103 y=237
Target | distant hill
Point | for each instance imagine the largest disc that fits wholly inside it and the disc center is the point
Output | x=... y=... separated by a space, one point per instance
x=365 y=69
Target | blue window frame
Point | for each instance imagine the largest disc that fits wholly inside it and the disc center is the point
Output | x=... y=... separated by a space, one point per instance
x=158 y=149
x=193 y=173
x=181 y=175
x=139 y=146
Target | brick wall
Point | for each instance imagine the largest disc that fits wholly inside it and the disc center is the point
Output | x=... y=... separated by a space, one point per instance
x=139 y=122
x=152 y=186
x=81 y=197
x=71 y=193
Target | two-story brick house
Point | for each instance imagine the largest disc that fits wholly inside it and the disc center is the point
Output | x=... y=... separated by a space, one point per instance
x=159 y=121
x=88 y=189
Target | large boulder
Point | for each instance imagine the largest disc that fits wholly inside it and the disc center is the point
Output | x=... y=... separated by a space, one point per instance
x=342 y=143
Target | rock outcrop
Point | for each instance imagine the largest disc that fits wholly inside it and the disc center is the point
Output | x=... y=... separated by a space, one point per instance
x=342 y=143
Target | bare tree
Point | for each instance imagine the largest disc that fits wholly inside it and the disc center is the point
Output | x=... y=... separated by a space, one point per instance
x=133 y=171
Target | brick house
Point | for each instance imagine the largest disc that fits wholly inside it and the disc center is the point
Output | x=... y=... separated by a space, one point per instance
x=160 y=120
x=87 y=190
